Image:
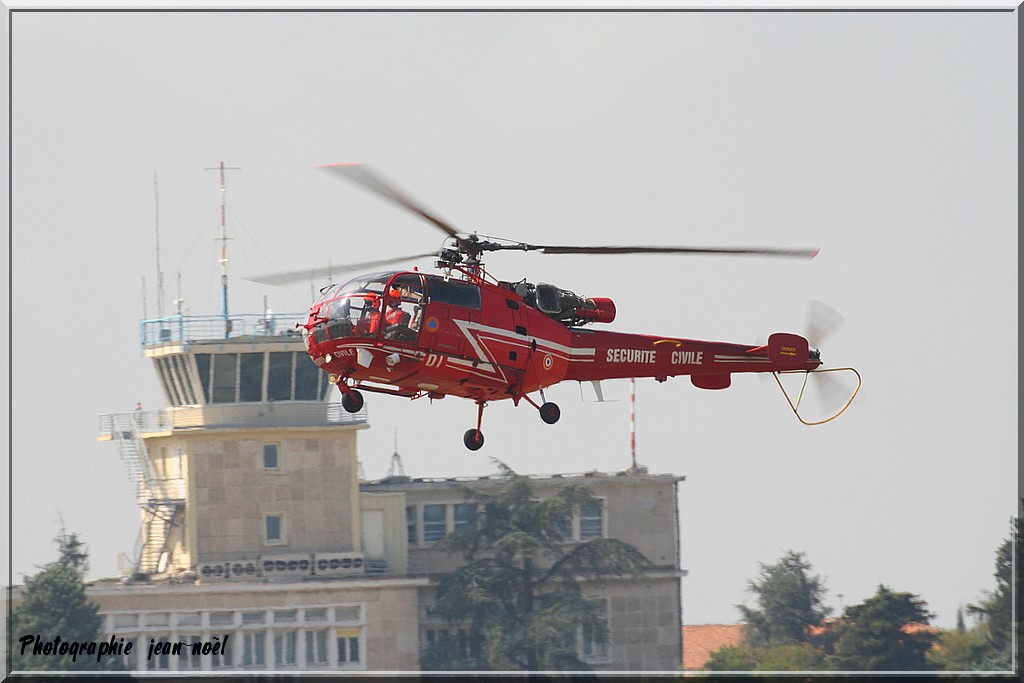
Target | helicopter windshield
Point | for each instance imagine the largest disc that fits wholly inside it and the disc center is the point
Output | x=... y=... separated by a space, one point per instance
x=385 y=302
x=352 y=309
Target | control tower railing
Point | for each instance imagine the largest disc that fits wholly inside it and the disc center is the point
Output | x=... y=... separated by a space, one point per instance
x=283 y=414
x=185 y=329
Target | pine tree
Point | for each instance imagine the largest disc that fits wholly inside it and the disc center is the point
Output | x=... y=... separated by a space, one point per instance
x=518 y=599
x=789 y=600
x=996 y=609
x=54 y=604
x=883 y=633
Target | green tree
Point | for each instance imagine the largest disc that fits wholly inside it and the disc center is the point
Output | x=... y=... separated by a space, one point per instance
x=54 y=604
x=517 y=598
x=741 y=657
x=745 y=657
x=959 y=649
x=877 y=635
x=996 y=609
x=789 y=600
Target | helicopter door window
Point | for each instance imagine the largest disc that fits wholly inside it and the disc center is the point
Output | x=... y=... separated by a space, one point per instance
x=454 y=293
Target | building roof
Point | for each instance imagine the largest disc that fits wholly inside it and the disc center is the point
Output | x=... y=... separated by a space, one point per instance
x=701 y=640
x=403 y=483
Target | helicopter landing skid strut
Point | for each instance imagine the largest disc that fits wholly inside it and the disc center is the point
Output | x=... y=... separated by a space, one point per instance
x=549 y=412
x=807 y=373
x=351 y=400
x=474 y=438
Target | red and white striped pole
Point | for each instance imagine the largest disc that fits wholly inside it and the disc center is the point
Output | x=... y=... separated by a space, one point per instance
x=632 y=419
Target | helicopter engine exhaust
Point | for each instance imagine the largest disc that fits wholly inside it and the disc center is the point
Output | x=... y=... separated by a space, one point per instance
x=598 y=309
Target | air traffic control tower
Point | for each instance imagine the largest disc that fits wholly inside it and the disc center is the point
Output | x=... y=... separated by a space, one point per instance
x=248 y=472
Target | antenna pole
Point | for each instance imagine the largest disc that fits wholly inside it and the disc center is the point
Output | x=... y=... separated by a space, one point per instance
x=159 y=273
x=224 y=245
x=632 y=419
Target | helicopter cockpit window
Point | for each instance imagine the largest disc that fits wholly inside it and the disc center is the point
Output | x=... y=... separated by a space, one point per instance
x=354 y=309
x=403 y=307
x=454 y=292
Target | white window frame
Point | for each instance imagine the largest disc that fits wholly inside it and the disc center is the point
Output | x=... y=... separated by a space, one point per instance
x=277 y=456
x=444 y=522
x=605 y=654
x=282 y=529
x=578 y=522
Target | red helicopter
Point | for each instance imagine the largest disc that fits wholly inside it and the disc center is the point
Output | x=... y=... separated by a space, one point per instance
x=465 y=333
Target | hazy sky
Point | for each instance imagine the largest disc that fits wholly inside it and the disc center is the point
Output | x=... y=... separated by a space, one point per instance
x=889 y=140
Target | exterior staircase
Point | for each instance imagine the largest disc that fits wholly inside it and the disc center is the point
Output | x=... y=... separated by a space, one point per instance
x=160 y=498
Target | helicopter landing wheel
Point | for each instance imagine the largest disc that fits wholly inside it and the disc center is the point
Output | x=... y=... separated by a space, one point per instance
x=352 y=402
x=473 y=438
x=550 y=412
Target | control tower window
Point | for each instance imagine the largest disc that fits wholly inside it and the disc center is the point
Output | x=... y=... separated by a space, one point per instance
x=279 y=379
x=307 y=379
x=250 y=377
x=225 y=377
x=247 y=378
x=203 y=366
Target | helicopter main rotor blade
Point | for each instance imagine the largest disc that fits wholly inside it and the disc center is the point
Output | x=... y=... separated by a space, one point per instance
x=314 y=273
x=741 y=251
x=361 y=174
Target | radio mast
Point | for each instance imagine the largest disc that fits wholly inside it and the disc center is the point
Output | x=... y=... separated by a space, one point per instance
x=223 y=244
x=632 y=419
x=159 y=272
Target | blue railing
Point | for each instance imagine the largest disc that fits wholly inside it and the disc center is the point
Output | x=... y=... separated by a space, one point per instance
x=122 y=426
x=183 y=329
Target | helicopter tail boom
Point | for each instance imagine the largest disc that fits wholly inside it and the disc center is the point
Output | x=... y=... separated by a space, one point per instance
x=709 y=364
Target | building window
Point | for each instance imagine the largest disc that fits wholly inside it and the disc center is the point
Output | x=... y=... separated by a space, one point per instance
x=221 y=660
x=130 y=661
x=464 y=516
x=270 y=461
x=410 y=524
x=460 y=644
x=349 y=655
x=225 y=378
x=189 y=660
x=274 y=529
x=316 y=614
x=124 y=621
x=252 y=649
x=348 y=613
x=158 y=619
x=253 y=618
x=316 y=647
x=285 y=616
x=162 y=661
x=250 y=377
x=188 y=619
x=591 y=649
x=222 y=618
x=563 y=528
x=434 y=525
x=591 y=521
x=284 y=647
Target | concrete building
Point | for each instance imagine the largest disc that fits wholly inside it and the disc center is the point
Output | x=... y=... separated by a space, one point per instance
x=256 y=532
